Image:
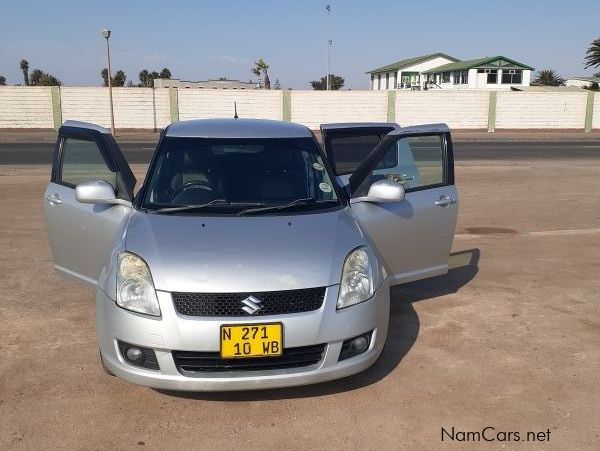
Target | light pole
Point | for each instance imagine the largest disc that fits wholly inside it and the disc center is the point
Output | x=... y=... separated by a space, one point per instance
x=106 y=33
x=329 y=41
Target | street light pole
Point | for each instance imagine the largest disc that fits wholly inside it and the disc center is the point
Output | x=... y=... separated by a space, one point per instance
x=329 y=41
x=106 y=34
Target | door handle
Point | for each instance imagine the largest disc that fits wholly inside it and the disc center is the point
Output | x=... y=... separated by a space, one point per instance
x=54 y=199
x=444 y=201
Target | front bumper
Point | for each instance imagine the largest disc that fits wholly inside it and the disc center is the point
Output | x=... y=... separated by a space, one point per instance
x=184 y=333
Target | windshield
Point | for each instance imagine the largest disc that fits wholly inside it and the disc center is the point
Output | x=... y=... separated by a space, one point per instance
x=229 y=176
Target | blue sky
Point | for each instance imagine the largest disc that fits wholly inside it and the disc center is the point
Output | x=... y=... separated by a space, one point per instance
x=209 y=39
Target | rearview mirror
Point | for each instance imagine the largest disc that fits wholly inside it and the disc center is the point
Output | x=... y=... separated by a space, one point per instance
x=383 y=191
x=98 y=192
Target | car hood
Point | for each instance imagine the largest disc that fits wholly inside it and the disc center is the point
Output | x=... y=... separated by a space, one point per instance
x=220 y=254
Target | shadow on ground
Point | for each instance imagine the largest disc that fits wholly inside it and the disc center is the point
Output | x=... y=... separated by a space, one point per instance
x=402 y=334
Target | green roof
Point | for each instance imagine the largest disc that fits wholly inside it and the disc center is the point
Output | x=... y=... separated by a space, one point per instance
x=488 y=62
x=410 y=62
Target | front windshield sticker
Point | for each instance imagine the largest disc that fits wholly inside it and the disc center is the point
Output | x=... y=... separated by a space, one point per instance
x=318 y=167
x=326 y=188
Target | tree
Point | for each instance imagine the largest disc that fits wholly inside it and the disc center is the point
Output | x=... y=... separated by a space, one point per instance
x=277 y=84
x=40 y=78
x=592 y=56
x=2 y=80
x=262 y=68
x=336 y=83
x=24 y=65
x=117 y=80
x=164 y=73
x=548 y=77
x=145 y=80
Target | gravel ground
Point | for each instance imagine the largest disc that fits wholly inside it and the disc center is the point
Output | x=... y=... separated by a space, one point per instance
x=509 y=339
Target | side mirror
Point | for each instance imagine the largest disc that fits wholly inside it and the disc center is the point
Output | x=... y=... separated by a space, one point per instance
x=383 y=191
x=98 y=192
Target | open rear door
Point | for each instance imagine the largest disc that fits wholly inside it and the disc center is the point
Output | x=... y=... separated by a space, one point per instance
x=81 y=235
x=414 y=236
x=348 y=144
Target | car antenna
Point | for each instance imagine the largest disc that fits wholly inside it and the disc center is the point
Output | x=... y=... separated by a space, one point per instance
x=235 y=116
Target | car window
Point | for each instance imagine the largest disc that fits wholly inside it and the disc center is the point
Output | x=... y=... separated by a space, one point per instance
x=348 y=152
x=82 y=161
x=420 y=163
x=269 y=172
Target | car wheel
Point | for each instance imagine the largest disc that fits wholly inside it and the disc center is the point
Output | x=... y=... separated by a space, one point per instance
x=104 y=367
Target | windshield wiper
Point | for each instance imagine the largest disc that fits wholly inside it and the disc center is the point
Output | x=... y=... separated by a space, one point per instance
x=214 y=202
x=294 y=203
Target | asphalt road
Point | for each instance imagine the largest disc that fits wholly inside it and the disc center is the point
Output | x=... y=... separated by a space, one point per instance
x=41 y=153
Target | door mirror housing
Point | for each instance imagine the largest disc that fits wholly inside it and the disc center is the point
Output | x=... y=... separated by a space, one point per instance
x=383 y=191
x=98 y=192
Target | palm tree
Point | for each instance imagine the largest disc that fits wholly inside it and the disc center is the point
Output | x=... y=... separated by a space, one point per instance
x=24 y=65
x=592 y=57
x=36 y=77
x=260 y=67
x=548 y=77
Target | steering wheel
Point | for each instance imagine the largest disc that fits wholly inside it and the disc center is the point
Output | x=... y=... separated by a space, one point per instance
x=192 y=183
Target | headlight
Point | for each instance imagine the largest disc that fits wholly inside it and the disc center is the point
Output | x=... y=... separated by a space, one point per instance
x=357 y=278
x=135 y=289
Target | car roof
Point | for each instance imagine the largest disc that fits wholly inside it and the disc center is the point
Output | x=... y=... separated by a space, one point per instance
x=237 y=128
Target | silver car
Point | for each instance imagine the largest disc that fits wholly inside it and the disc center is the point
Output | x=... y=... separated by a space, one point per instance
x=250 y=257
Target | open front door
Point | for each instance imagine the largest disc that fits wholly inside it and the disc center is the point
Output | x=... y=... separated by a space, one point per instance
x=414 y=235
x=348 y=144
x=81 y=235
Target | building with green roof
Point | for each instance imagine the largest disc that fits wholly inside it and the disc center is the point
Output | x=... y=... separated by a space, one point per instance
x=441 y=71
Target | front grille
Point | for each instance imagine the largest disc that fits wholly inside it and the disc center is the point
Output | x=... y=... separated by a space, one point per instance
x=230 y=304
x=189 y=361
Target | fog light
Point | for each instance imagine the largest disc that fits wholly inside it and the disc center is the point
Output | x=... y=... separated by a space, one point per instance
x=355 y=346
x=138 y=355
x=360 y=344
x=134 y=354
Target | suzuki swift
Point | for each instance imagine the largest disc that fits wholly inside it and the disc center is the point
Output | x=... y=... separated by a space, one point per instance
x=250 y=257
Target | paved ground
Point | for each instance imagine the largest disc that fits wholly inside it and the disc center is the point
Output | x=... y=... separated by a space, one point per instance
x=141 y=152
x=509 y=339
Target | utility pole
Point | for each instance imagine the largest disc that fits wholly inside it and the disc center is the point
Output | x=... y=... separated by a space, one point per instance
x=106 y=33
x=329 y=42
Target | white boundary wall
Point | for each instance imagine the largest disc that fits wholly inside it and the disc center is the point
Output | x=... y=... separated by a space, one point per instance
x=25 y=107
x=201 y=104
x=144 y=108
x=457 y=109
x=133 y=107
x=596 y=117
x=312 y=108
x=540 y=109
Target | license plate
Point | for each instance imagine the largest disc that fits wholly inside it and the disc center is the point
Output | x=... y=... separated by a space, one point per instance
x=251 y=340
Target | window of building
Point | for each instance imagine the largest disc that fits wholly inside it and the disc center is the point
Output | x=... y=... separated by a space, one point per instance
x=492 y=76
x=379 y=81
x=445 y=77
x=387 y=80
x=461 y=77
x=512 y=76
